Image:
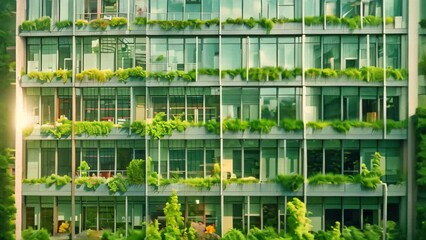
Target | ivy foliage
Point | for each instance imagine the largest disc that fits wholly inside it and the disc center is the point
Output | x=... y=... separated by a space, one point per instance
x=159 y=127
x=63 y=128
x=7 y=201
x=421 y=146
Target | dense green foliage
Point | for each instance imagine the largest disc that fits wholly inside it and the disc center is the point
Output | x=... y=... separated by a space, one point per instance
x=299 y=226
x=117 y=183
x=420 y=121
x=159 y=128
x=31 y=234
x=136 y=171
x=290 y=182
x=63 y=127
x=49 y=180
x=7 y=208
x=368 y=74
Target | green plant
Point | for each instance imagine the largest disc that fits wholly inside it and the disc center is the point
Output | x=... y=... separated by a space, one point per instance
x=83 y=168
x=420 y=120
x=153 y=231
x=317 y=125
x=234 y=125
x=299 y=226
x=315 y=20
x=58 y=180
x=63 y=24
x=118 y=21
x=174 y=219
x=99 y=23
x=373 y=20
x=90 y=182
x=81 y=23
x=213 y=126
x=422 y=23
x=39 y=24
x=389 y=20
x=291 y=181
x=328 y=73
x=370 y=179
x=292 y=124
x=262 y=125
x=234 y=234
x=31 y=234
x=117 y=183
x=7 y=198
x=353 y=22
x=329 y=179
x=313 y=72
x=101 y=76
x=140 y=21
x=63 y=74
x=136 y=171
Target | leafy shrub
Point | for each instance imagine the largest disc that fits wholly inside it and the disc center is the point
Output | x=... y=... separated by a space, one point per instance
x=90 y=182
x=31 y=234
x=213 y=126
x=118 y=21
x=136 y=171
x=117 y=183
x=99 y=23
x=234 y=125
x=63 y=24
x=292 y=124
x=329 y=179
x=372 y=20
x=313 y=72
x=234 y=234
x=370 y=179
x=316 y=20
x=81 y=23
x=39 y=24
x=83 y=168
x=262 y=125
x=101 y=76
x=291 y=182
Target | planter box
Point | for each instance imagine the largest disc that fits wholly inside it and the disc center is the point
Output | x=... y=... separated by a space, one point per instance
x=183 y=190
x=257 y=189
x=32 y=82
x=157 y=30
x=353 y=133
x=41 y=189
x=344 y=190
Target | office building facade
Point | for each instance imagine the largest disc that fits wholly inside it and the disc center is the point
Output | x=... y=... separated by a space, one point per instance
x=313 y=64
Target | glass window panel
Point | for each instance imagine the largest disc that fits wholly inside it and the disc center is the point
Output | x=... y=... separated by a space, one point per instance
x=49 y=58
x=108 y=51
x=47 y=161
x=140 y=52
x=313 y=52
x=313 y=8
x=230 y=9
x=252 y=9
x=331 y=107
x=231 y=53
x=158 y=55
x=208 y=53
x=91 y=52
x=64 y=161
x=350 y=52
x=125 y=52
x=175 y=10
x=331 y=56
x=177 y=163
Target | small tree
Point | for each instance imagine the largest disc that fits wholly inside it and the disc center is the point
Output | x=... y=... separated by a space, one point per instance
x=299 y=225
x=174 y=219
x=153 y=231
x=7 y=209
x=136 y=171
x=83 y=168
